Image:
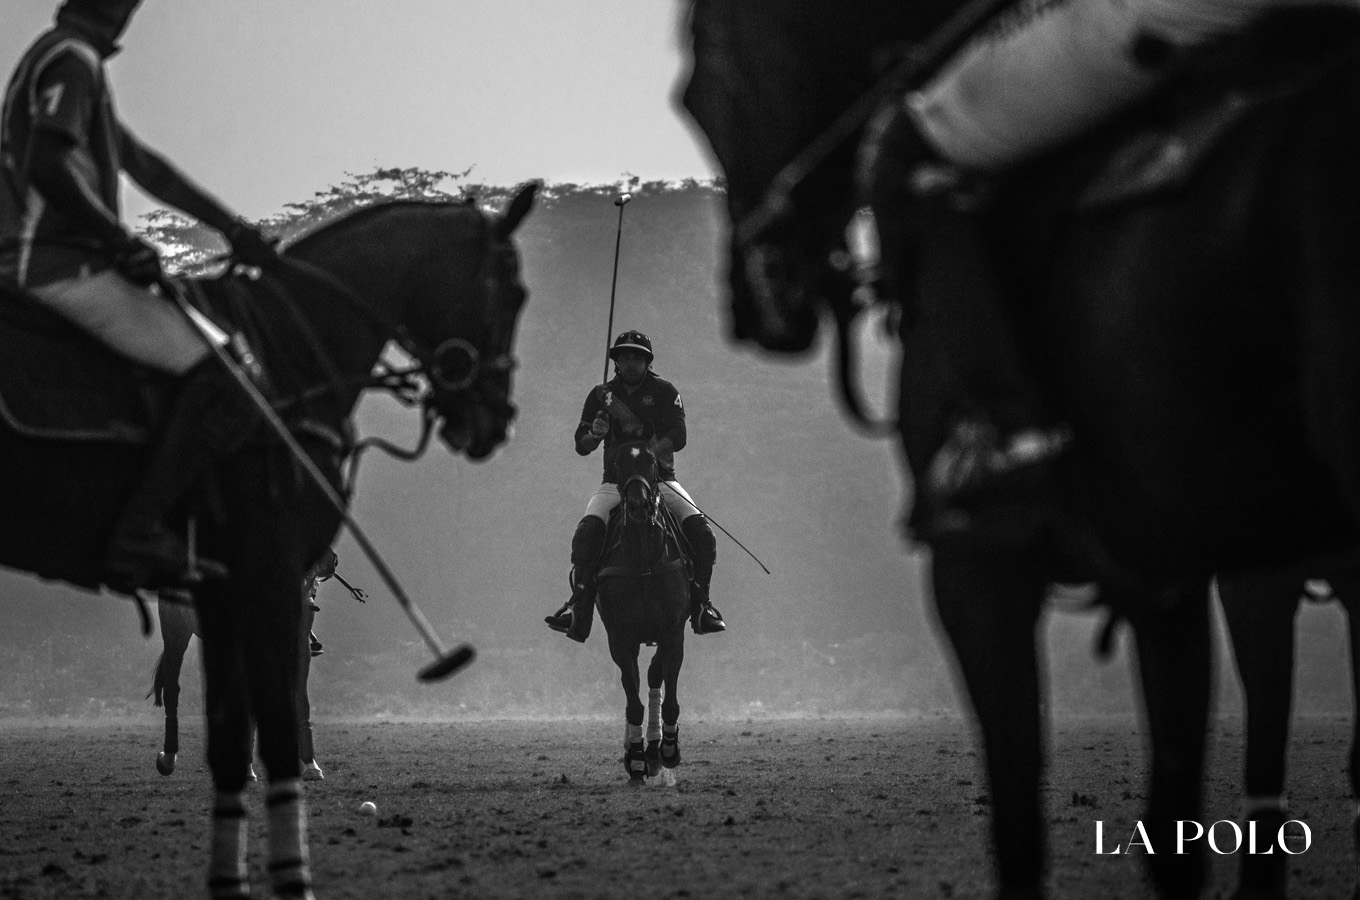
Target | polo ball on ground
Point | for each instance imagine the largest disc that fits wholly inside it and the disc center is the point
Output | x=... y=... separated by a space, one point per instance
x=368 y=808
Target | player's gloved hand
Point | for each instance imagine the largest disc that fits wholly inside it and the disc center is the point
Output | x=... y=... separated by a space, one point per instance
x=250 y=247
x=600 y=427
x=138 y=261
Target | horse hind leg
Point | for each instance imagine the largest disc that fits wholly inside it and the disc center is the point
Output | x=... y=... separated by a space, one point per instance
x=1259 y=610
x=671 y=655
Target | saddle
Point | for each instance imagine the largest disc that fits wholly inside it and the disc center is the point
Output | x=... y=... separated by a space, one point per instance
x=58 y=383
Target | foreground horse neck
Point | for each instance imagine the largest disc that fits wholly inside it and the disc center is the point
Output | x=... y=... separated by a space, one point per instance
x=402 y=261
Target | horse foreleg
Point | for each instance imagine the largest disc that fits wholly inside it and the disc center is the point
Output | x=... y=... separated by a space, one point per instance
x=1175 y=662
x=624 y=652
x=671 y=655
x=654 y=694
x=229 y=741
x=988 y=603
x=1259 y=609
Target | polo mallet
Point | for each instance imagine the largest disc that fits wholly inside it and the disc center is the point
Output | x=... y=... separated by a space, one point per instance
x=446 y=661
x=621 y=201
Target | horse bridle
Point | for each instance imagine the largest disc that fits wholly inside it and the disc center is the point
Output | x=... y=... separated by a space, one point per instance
x=453 y=369
x=776 y=204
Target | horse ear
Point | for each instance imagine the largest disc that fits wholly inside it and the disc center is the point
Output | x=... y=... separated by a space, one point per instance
x=517 y=210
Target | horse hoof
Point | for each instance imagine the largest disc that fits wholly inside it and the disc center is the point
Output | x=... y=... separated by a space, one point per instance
x=653 y=756
x=311 y=771
x=670 y=752
x=165 y=762
x=635 y=762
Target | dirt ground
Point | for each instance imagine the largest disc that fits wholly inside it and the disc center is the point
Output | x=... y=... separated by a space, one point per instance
x=791 y=808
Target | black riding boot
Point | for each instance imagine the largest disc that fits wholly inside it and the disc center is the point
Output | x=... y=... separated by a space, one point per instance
x=210 y=417
x=703 y=617
x=990 y=432
x=577 y=615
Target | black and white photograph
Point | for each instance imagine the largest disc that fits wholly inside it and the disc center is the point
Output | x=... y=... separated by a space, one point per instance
x=684 y=448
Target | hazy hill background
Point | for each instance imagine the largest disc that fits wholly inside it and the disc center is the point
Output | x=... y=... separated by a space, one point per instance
x=841 y=624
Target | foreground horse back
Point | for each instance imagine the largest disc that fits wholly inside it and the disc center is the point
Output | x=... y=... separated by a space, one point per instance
x=643 y=597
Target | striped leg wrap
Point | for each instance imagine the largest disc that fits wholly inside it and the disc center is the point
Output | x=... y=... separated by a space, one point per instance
x=227 y=859
x=654 y=714
x=289 y=868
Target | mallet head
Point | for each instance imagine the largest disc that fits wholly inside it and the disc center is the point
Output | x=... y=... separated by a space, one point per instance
x=448 y=664
x=623 y=198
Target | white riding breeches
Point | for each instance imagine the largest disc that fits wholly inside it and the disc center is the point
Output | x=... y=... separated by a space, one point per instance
x=130 y=320
x=1065 y=66
x=606 y=497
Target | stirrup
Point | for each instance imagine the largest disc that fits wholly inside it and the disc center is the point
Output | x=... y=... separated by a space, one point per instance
x=707 y=620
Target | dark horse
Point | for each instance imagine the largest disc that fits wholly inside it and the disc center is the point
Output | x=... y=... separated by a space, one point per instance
x=1259 y=607
x=1199 y=332
x=643 y=597
x=443 y=279
x=178 y=623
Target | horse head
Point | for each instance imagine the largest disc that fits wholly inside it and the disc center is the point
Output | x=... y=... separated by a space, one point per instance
x=469 y=355
x=789 y=173
x=637 y=477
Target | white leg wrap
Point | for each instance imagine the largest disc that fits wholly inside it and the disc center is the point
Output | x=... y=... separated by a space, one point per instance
x=631 y=733
x=227 y=858
x=654 y=714
x=289 y=867
x=1054 y=69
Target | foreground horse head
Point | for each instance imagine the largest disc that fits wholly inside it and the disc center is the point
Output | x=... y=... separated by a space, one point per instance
x=788 y=257
x=441 y=279
x=643 y=597
x=1200 y=338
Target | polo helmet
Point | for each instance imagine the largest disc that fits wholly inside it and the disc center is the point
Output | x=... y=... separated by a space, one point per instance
x=632 y=340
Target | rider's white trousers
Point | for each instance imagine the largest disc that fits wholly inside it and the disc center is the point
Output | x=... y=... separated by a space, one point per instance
x=606 y=497
x=1060 y=68
x=128 y=319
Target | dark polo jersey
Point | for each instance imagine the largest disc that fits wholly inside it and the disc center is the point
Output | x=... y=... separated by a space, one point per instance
x=59 y=87
x=655 y=403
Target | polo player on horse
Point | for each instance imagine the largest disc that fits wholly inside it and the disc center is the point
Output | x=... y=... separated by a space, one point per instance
x=635 y=404
x=62 y=241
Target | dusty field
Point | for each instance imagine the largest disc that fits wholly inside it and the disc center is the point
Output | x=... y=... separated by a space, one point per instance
x=779 y=808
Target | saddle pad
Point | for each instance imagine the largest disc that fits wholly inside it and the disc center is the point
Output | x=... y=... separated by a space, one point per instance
x=58 y=383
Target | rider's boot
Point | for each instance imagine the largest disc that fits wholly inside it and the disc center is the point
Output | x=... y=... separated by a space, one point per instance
x=998 y=443
x=703 y=617
x=210 y=417
x=577 y=615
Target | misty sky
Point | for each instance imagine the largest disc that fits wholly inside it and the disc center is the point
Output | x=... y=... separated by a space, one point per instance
x=267 y=101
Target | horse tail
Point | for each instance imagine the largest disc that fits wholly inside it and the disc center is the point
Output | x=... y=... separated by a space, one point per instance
x=157 y=681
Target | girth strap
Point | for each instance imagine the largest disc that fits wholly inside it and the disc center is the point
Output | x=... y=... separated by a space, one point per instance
x=639 y=571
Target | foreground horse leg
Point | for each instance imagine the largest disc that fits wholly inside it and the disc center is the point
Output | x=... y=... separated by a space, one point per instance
x=988 y=602
x=1175 y=663
x=1259 y=609
x=229 y=739
x=276 y=639
x=176 y=630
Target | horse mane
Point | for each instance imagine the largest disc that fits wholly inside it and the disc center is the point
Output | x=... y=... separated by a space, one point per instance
x=362 y=215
